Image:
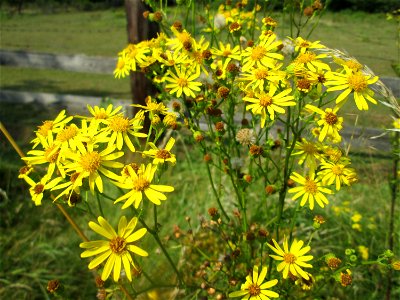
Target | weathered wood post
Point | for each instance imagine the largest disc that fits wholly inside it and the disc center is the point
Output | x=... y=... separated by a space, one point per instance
x=139 y=29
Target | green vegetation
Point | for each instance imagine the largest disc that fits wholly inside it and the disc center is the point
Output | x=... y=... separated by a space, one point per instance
x=369 y=37
x=62 y=82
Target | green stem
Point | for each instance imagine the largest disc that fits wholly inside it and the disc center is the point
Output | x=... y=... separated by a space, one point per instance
x=215 y=192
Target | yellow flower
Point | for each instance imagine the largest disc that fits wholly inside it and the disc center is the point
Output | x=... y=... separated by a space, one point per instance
x=90 y=163
x=122 y=68
x=356 y=217
x=257 y=77
x=37 y=188
x=122 y=128
x=363 y=251
x=101 y=114
x=139 y=183
x=49 y=155
x=183 y=40
x=303 y=45
x=50 y=127
x=293 y=259
x=152 y=106
x=330 y=122
x=162 y=155
x=182 y=82
x=134 y=54
x=311 y=189
x=336 y=172
x=269 y=102
x=70 y=138
x=262 y=54
x=352 y=82
x=117 y=249
x=226 y=52
x=309 y=153
x=311 y=61
x=172 y=58
x=396 y=123
x=254 y=288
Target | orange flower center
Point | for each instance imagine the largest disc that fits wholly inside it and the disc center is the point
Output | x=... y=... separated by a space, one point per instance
x=258 y=53
x=182 y=82
x=254 y=289
x=305 y=58
x=45 y=127
x=261 y=74
x=265 y=100
x=354 y=65
x=67 y=133
x=289 y=258
x=164 y=154
x=226 y=53
x=140 y=184
x=119 y=124
x=102 y=115
x=38 y=189
x=331 y=118
x=357 y=82
x=90 y=161
x=118 y=245
x=337 y=170
x=309 y=148
x=311 y=187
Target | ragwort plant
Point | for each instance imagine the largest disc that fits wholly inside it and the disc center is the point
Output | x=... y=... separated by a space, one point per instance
x=266 y=116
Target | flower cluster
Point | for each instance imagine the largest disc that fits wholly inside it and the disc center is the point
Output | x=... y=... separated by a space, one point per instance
x=81 y=154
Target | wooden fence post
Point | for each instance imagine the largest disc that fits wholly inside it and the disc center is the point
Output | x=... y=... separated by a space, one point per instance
x=139 y=29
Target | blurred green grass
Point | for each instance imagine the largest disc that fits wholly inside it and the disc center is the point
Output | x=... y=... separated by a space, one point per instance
x=62 y=82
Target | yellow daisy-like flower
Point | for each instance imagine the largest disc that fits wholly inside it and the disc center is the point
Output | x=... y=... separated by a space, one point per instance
x=227 y=52
x=139 y=183
x=311 y=61
x=153 y=107
x=122 y=68
x=182 y=82
x=101 y=114
x=122 y=128
x=90 y=163
x=336 y=172
x=172 y=58
x=70 y=138
x=262 y=54
x=117 y=249
x=162 y=155
x=37 y=188
x=134 y=54
x=309 y=153
x=330 y=122
x=303 y=45
x=51 y=126
x=49 y=155
x=254 y=288
x=259 y=76
x=293 y=259
x=183 y=40
x=352 y=82
x=269 y=102
x=311 y=189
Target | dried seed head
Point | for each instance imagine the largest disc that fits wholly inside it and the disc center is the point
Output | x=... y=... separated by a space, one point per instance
x=308 y=11
x=53 y=285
